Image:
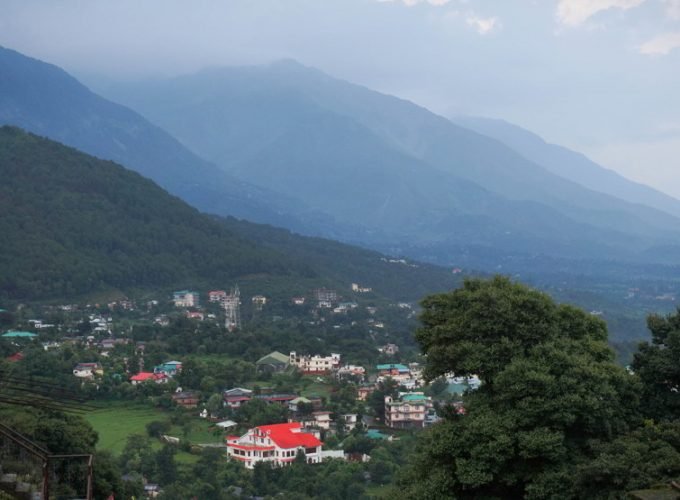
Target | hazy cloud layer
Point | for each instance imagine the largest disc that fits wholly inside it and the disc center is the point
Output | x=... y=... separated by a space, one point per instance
x=483 y=25
x=661 y=45
x=575 y=12
x=589 y=74
x=673 y=9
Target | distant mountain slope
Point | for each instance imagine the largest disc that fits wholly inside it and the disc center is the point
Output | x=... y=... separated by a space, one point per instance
x=390 y=165
x=44 y=99
x=74 y=225
x=570 y=164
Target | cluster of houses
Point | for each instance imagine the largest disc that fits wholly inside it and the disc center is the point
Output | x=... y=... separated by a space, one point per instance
x=309 y=420
x=314 y=417
x=160 y=374
x=410 y=376
x=276 y=362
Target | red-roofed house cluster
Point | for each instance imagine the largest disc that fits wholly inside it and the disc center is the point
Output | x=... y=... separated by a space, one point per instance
x=277 y=443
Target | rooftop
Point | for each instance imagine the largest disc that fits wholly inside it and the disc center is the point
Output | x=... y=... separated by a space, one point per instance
x=12 y=334
x=144 y=376
x=289 y=435
x=392 y=366
x=275 y=356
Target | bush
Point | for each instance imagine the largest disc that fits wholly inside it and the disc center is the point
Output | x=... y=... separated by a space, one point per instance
x=158 y=428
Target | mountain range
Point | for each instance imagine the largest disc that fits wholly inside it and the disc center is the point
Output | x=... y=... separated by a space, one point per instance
x=74 y=225
x=44 y=99
x=406 y=179
x=290 y=146
x=569 y=164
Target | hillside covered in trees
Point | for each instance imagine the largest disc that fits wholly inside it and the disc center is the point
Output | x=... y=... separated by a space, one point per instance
x=75 y=225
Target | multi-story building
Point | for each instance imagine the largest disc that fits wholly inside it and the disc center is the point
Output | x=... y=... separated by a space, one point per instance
x=400 y=373
x=325 y=295
x=185 y=298
x=315 y=364
x=278 y=444
x=408 y=411
x=217 y=296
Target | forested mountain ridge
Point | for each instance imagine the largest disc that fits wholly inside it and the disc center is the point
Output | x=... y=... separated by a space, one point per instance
x=569 y=164
x=74 y=225
x=418 y=181
x=46 y=100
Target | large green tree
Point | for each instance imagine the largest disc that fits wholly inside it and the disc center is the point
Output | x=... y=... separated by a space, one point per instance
x=551 y=395
x=658 y=365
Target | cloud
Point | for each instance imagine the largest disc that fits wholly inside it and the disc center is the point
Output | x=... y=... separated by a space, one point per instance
x=483 y=25
x=673 y=9
x=660 y=45
x=575 y=12
x=411 y=3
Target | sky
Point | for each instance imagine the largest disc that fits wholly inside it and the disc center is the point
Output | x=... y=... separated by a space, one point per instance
x=598 y=76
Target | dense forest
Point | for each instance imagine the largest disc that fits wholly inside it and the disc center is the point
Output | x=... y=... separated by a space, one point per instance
x=75 y=225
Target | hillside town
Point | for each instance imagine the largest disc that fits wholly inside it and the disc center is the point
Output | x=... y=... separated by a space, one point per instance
x=269 y=406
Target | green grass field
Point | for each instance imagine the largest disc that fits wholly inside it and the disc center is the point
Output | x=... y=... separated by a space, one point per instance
x=116 y=421
x=314 y=388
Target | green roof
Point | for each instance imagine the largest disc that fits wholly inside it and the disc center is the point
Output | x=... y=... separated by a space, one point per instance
x=19 y=335
x=273 y=358
x=392 y=366
x=375 y=434
x=457 y=388
x=413 y=397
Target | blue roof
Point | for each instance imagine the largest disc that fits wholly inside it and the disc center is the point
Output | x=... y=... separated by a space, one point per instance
x=19 y=335
x=375 y=434
x=392 y=366
x=414 y=397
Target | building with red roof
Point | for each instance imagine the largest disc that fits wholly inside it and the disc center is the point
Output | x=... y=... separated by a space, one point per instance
x=15 y=357
x=141 y=377
x=276 y=443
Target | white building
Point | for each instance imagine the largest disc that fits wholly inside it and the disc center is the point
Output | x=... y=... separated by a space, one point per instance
x=360 y=289
x=315 y=364
x=88 y=370
x=322 y=419
x=350 y=420
x=259 y=301
x=277 y=443
x=185 y=298
x=217 y=296
x=351 y=370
